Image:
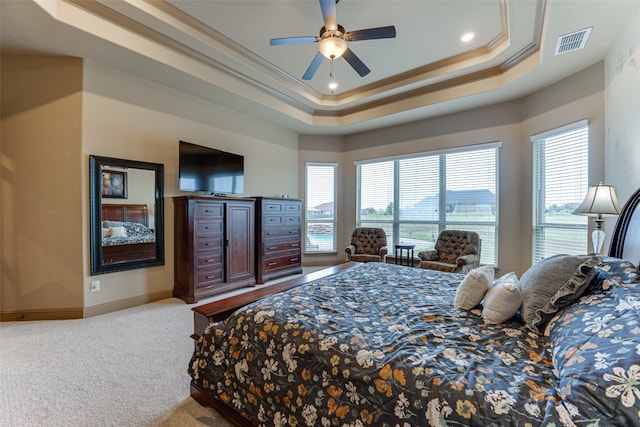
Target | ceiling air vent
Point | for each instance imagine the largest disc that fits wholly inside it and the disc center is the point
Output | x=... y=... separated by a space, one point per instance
x=573 y=41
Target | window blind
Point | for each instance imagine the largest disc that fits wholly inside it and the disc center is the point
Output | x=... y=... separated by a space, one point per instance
x=560 y=183
x=415 y=197
x=320 y=197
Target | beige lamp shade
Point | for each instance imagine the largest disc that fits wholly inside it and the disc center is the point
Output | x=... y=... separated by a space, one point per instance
x=600 y=200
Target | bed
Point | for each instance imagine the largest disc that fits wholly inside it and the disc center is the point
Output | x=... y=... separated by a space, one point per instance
x=126 y=235
x=381 y=344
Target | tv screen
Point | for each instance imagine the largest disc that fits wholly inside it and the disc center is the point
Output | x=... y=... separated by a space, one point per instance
x=209 y=170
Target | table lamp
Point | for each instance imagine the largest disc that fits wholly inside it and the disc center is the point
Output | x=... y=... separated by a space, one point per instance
x=600 y=200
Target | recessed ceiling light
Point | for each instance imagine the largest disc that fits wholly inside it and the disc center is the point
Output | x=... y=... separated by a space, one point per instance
x=467 y=37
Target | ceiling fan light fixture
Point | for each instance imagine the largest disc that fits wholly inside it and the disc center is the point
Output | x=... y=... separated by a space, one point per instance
x=332 y=47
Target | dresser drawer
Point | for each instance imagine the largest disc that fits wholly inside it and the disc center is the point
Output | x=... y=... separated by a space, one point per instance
x=209 y=260
x=292 y=207
x=292 y=219
x=271 y=247
x=208 y=279
x=209 y=210
x=273 y=220
x=285 y=261
x=272 y=207
x=204 y=227
x=207 y=243
x=275 y=233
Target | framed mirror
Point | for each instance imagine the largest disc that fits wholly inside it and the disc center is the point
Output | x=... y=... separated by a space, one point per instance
x=126 y=209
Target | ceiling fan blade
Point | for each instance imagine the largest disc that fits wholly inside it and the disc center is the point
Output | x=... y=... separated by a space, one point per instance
x=293 y=40
x=371 y=34
x=313 y=67
x=355 y=62
x=329 y=14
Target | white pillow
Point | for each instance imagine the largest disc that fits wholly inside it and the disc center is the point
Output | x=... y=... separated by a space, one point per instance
x=106 y=232
x=473 y=287
x=118 y=232
x=502 y=300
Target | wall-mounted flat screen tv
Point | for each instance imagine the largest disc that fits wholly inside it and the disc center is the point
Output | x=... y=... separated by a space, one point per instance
x=204 y=169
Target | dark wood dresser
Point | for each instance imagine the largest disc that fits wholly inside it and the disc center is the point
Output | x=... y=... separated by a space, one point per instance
x=214 y=245
x=278 y=238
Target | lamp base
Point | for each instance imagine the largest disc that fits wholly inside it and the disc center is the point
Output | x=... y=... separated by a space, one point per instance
x=597 y=237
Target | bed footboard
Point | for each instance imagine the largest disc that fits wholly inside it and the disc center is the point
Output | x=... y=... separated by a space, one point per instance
x=219 y=310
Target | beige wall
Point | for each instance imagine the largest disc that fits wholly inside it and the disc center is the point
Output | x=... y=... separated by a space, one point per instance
x=132 y=118
x=42 y=201
x=58 y=111
x=327 y=149
x=622 y=108
x=578 y=97
x=512 y=123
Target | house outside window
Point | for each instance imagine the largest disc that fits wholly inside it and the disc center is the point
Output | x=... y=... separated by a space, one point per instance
x=415 y=197
x=561 y=173
x=320 y=218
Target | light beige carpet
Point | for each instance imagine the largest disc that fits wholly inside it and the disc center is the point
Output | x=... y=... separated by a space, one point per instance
x=127 y=368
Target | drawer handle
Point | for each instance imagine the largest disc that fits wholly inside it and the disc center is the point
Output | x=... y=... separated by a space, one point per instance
x=209 y=260
x=211 y=277
x=294 y=245
x=291 y=231
x=293 y=259
x=269 y=234
x=272 y=263
x=272 y=248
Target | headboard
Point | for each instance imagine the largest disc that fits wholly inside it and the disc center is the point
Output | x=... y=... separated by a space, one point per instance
x=625 y=241
x=126 y=213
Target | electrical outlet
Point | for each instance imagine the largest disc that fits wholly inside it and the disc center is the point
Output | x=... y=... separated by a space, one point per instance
x=95 y=285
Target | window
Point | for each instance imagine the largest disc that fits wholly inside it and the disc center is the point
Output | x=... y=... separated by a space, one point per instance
x=560 y=167
x=320 y=219
x=415 y=197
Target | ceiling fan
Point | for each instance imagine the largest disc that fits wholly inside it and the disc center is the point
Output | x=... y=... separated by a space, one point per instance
x=333 y=41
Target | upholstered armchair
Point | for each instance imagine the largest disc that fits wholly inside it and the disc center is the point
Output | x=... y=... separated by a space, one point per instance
x=456 y=251
x=367 y=244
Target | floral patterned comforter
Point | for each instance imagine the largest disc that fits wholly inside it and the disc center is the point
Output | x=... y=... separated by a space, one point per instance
x=382 y=345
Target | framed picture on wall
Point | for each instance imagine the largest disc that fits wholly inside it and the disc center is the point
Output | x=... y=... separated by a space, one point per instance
x=114 y=184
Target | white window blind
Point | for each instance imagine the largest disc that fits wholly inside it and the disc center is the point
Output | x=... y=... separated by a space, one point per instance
x=320 y=218
x=560 y=183
x=413 y=198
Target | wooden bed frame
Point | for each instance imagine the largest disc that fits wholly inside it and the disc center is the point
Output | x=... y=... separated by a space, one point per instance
x=133 y=252
x=625 y=243
x=126 y=213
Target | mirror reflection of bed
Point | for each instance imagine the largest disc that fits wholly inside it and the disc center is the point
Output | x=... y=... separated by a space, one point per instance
x=126 y=233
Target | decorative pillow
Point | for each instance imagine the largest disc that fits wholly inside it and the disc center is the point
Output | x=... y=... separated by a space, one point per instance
x=502 y=300
x=118 y=232
x=136 y=229
x=473 y=287
x=106 y=232
x=552 y=284
x=109 y=224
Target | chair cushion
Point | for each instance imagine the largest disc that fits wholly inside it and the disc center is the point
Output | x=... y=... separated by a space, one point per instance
x=365 y=258
x=439 y=266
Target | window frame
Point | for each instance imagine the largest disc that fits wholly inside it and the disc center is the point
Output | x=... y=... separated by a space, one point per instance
x=307 y=220
x=539 y=224
x=442 y=223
